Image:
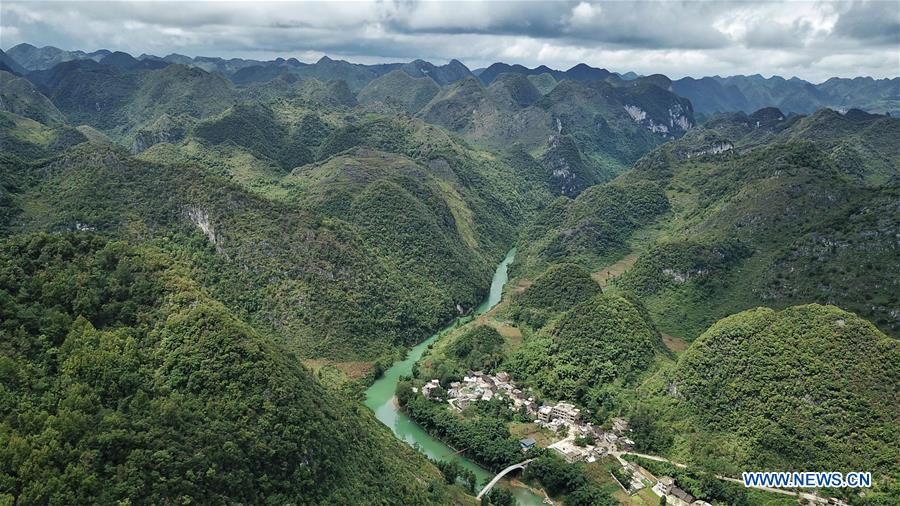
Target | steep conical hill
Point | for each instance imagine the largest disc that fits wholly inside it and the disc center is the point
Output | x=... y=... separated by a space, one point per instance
x=560 y=287
x=401 y=89
x=805 y=388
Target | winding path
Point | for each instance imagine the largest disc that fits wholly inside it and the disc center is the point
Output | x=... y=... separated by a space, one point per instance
x=487 y=488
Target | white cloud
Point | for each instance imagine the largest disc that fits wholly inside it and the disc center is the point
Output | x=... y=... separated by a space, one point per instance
x=584 y=13
x=810 y=39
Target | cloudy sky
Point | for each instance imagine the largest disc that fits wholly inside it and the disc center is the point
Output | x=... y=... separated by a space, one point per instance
x=811 y=40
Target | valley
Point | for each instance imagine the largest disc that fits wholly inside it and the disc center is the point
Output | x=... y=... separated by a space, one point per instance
x=381 y=400
x=261 y=282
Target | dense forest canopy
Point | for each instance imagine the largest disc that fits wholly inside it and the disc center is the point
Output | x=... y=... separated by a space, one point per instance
x=122 y=379
x=808 y=386
x=204 y=261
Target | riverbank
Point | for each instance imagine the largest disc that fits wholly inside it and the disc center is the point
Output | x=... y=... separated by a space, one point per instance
x=381 y=400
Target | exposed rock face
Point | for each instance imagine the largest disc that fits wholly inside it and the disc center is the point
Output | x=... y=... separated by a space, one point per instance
x=714 y=149
x=200 y=217
x=636 y=112
x=684 y=276
x=678 y=120
x=564 y=164
x=145 y=139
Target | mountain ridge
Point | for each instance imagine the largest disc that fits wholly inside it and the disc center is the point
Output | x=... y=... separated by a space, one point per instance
x=710 y=94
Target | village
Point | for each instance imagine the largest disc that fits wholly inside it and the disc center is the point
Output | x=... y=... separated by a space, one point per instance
x=580 y=441
x=561 y=418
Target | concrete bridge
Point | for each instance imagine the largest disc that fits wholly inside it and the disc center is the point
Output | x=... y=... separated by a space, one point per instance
x=487 y=488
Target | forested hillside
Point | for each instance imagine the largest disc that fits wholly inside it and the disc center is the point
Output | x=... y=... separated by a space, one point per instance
x=299 y=198
x=589 y=353
x=811 y=387
x=741 y=212
x=180 y=235
x=297 y=271
x=785 y=213
x=122 y=379
x=116 y=99
x=745 y=211
x=592 y=229
x=595 y=129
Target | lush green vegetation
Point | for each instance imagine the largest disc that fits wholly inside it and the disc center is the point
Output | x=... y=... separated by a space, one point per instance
x=702 y=485
x=27 y=140
x=776 y=225
x=267 y=267
x=593 y=229
x=19 y=96
x=568 y=481
x=252 y=227
x=401 y=90
x=559 y=288
x=122 y=380
x=516 y=89
x=255 y=128
x=589 y=354
x=809 y=387
x=116 y=100
x=304 y=255
x=592 y=137
x=478 y=349
x=453 y=473
x=482 y=433
x=485 y=438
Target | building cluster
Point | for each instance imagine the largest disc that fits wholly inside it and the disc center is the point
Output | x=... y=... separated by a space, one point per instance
x=601 y=442
x=430 y=390
x=554 y=417
x=480 y=386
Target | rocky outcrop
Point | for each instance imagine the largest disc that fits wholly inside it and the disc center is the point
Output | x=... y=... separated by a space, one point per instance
x=677 y=122
x=563 y=162
x=200 y=217
x=713 y=149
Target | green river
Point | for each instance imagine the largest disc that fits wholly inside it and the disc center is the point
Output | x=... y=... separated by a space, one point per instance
x=380 y=398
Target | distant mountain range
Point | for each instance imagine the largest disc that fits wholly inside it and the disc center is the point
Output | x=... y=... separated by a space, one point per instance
x=709 y=95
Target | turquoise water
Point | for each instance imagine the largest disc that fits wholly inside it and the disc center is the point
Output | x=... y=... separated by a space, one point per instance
x=380 y=397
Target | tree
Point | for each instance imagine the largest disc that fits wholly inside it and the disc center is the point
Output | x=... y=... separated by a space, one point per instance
x=648 y=435
x=449 y=469
x=471 y=480
x=377 y=369
x=589 y=495
x=584 y=440
x=499 y=496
